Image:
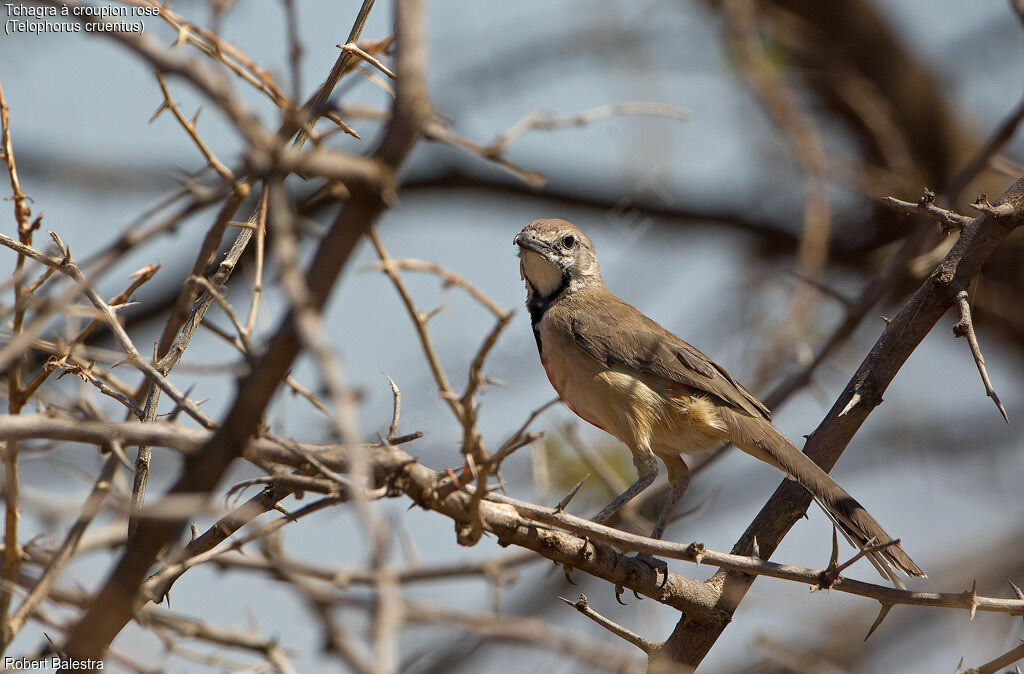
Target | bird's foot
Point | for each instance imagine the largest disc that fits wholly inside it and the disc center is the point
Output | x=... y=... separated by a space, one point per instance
x=659 y=566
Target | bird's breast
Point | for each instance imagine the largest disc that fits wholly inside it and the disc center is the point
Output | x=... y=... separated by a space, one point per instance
x=625 y=403
x=597 y=394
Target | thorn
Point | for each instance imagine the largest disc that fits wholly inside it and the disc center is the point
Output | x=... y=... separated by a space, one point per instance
x=965 y=328
x=64 y=252
x=567 y=570
x=697 y=550
x=959 y=665
x=54 y=646
x=1017 y=591
x=756 y=549
x=999 y=406
x=568 y=497
x=427 y=315
x=159 y=111
x=828 y=577
x=878 y=621
x=982 y=204
x=974 y=599
x=583 y=549
x=850 y=405
x=118 y=307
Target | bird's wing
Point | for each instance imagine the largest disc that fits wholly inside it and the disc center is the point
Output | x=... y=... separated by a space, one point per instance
x=616 y=333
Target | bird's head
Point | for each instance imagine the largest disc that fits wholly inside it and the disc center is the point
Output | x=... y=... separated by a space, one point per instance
x=555 y=255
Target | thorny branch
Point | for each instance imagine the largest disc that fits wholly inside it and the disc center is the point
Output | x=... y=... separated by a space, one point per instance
x=349 y=471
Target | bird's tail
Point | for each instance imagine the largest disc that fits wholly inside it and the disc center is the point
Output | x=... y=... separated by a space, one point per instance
x=760 y=439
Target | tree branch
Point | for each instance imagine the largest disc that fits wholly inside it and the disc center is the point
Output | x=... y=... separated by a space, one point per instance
x=690 y=642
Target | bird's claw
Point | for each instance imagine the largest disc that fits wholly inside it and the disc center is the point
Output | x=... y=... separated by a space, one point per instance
x=567 y=570
x=618 y=594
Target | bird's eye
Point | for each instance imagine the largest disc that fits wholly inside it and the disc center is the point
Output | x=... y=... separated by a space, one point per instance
x=569 y=241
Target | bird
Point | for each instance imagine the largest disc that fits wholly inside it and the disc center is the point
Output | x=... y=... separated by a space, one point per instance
x=630 y=377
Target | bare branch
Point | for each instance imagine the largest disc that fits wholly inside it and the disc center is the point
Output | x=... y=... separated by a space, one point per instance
x=643 y=644
x=112 y=609
x=926 y=205
x=899 y=339
x=965 y=328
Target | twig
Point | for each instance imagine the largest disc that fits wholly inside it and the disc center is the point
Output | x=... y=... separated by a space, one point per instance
x=516 y=629
x=996 y=665
x=448 y=277
x=982 y=205
x=67 y=549
x=257 y=281
x=369 y=58
x=182 y=325
x=440 y=378
x=184 y=439
x=538 y=120
x=226 y=174
x=85 y=373
x=413 y=574
x=112 y=608
x=949 y=220
x=965 y=328
x=520 y=438
x=22 y=212
x=11 y=559
x=66 y=265
x=646 y=645
x=897 y=342
x=396 y=409
x=139 y=277
x=210 y=44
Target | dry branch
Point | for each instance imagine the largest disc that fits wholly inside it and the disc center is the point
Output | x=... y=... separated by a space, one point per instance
x=202 y=471
x=690 y=642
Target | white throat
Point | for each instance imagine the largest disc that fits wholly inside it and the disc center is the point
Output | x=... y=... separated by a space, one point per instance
x=542 y=274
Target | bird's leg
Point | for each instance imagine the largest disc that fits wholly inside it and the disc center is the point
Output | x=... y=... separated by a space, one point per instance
x=647 y=470
x=679 y=477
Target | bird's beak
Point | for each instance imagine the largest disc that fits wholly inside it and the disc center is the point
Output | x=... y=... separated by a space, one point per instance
x=527 y=241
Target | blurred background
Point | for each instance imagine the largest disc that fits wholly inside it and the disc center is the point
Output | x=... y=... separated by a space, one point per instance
x=709 y=225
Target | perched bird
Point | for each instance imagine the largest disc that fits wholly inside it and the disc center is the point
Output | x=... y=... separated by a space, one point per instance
x=622 y=372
